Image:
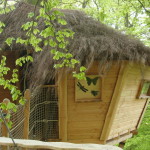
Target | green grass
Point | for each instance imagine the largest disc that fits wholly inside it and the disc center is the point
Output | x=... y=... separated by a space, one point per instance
x=141 y=141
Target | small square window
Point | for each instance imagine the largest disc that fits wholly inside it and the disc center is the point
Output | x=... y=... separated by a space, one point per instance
x=89 y=89
x=144 y=91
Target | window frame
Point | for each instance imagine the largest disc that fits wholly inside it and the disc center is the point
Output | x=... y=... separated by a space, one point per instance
x=140 y=95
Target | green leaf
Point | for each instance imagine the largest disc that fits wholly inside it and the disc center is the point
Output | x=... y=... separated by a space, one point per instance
x=62 y=21
x=13 y=90
x=9 y=124
x=52 y=43
x=30 y=15
x=2 y=24
x=82 y=69
x=3 y=106
x=53 y=51
x=8 y=116
x=15 y=96
x=36 y=31
x=22 y=101
x=9 y=40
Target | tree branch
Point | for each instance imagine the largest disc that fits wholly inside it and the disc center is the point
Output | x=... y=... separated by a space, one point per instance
x=96 y=4
x=144 y=7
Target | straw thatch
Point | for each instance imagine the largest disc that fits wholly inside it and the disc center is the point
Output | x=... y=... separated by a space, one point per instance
x=92 y=41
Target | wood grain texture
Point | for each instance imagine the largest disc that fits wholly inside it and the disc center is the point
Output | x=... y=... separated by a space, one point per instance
x=63 y=114
x=86 y=119
x=130 y=109
x=114 y=102
x=27 y=96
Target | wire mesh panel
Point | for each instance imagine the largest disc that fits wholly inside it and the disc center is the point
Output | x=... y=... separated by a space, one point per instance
x=44 y=114
x=16 y=130
x=17 y=119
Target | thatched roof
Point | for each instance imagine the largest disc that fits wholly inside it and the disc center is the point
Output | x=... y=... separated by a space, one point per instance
x=92 y=41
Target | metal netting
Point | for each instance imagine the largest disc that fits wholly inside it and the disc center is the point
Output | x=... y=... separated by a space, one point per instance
x=43 y=121
x=44 y=115
x=17 y=119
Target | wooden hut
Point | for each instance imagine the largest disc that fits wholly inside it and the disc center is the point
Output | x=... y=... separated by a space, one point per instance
x=108 y=106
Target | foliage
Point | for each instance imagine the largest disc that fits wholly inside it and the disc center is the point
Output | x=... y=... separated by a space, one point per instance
x=10 y=85
x=142 y=140
x=50 y=36
x=130 y=16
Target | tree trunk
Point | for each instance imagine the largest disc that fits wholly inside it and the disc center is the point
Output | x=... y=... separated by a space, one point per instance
x=84 y=3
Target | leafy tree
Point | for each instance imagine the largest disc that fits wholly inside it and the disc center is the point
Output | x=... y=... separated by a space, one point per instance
x=130 y=16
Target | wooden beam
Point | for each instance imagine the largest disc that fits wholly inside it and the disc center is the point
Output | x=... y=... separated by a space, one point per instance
x=142 y=114
x=122 y=77
x=63 y=117
x=27 y=96
x=119 y=139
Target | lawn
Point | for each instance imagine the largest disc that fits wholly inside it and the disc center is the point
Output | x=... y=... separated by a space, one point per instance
x=141 y=141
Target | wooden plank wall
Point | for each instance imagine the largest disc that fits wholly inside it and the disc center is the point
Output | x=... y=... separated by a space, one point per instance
x=130 y=109
x=86 y=119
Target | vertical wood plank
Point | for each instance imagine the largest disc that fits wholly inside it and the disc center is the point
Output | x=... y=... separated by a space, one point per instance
x=63 y=117
x=114 y=101
x=27 y=96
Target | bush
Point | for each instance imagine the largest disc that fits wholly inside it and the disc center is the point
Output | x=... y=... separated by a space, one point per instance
x=141 y=141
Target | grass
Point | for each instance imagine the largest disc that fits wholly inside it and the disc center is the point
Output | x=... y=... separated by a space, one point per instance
x=141 y=141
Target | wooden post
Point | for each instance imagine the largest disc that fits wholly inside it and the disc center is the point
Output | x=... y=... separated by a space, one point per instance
x=142 y=114
x=4 y=128
x=27 y=96
x=63 y=116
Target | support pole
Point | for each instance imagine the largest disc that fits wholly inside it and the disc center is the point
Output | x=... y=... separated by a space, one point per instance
x=27 y=96
x=63 y=116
